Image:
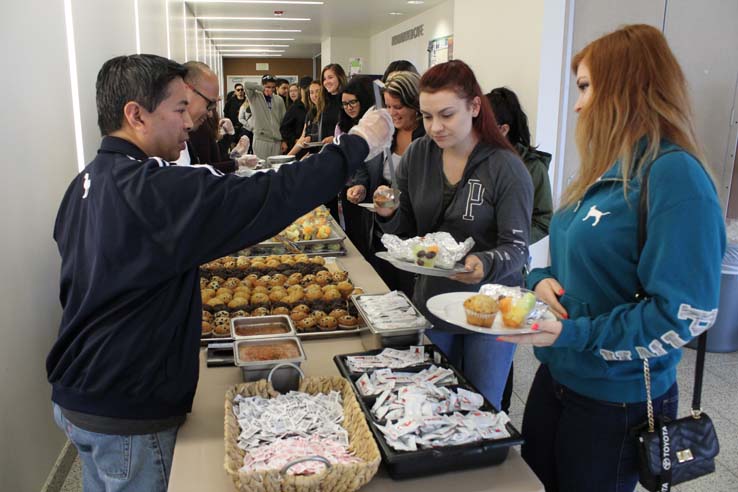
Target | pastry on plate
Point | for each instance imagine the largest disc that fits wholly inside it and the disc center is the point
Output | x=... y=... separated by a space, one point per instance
x=480 y=310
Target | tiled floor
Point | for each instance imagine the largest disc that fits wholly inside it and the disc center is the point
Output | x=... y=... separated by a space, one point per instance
x=719 y=398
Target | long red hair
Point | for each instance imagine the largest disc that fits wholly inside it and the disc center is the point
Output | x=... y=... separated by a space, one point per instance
x=458 y=77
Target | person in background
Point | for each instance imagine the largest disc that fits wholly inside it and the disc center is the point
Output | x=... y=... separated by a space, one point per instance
x=464 y=178
x=313 y=101
x=398 y=66
x=202 y=85
x=401 y=97
x=589 y=392
x=356 y=99
x=132 y=231
x=293 y=122
x=333 y=78
x=267 y=111
x=232 y=105
x=283 y=86
x=513 y=124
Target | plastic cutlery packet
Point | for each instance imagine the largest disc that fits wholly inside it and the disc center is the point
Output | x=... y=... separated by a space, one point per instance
x=385 y=379
x=388 y=358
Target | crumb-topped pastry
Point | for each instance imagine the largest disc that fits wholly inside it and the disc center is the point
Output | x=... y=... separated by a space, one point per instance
x=327 y=323
x=480 y=310
x=348 y=322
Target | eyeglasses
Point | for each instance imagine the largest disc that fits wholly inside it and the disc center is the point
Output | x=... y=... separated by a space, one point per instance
x=350 y=104
x=211 y=102
x=239 y=90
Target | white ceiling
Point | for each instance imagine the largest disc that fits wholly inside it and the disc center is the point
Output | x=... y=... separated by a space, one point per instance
x=344 y=18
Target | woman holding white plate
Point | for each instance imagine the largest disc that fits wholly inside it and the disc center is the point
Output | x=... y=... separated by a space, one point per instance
x=464 y=178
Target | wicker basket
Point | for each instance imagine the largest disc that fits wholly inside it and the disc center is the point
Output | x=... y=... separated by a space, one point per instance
x=337 y=478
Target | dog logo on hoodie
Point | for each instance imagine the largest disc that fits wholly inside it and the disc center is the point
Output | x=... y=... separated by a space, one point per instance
x=596 y=214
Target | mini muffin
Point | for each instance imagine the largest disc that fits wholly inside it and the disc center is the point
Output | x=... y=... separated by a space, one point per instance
x=337 y=313
x=302 y=308
x=277 y=295
x=229 y=265
x=298 y=316
x=289 y=262
x=308 y=279
x=339 y=276
x=323 y=278
x=327 y=323
x=263 y=281
x=237 y=303
x=357 y=291
x=251 y=278
x=480 y=310
x=260 y=311
x=215 y=304
x=260 y=289
x=331 y=295
x=272 y=263
x=242 y=263
x=216 y=278
x=207 y=315
x=313 y=293
x=292 y=289
x=241 y=313
x=294 y=298
x=279 y=278
x=259 y=299
x=232 y=283
x=226 y=297
x=301 y=258
x=307 y=323
x=206 y=295
x=203 y=283
x=348 y=322
x=259 y=265
x=222 y=330
x=207 y=329
x=223 y=290
x=294 y=279
x=241 y=291
x=214 y=284
x=345 y=288
x=222 y=314
x=317 y=260
x=318 y=315
x=281 y=310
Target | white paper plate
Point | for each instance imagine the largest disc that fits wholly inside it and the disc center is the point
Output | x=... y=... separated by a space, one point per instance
x=368 y=206
x=450 y=308
x=413 y=268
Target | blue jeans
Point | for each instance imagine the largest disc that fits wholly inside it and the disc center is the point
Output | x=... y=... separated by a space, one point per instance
x=112 y=463
x=574 y=443
x=483 y=360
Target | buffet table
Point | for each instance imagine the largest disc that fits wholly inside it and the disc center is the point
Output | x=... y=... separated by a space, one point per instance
x=199 y=453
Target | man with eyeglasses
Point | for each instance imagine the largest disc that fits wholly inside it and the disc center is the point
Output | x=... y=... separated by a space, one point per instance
x=267 y=110
x=203 y=88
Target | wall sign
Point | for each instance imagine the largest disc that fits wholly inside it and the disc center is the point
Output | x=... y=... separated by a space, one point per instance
x=413 y=33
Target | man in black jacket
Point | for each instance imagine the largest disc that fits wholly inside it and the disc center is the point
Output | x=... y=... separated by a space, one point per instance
x=132 y=231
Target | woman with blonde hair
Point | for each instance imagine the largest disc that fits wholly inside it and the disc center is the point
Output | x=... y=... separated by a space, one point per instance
x=589 y=392
x=311 y=132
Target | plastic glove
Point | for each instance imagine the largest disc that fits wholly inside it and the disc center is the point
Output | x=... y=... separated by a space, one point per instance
x=227 y=126
x=241 y=148
x=377 y=129
x=248 y=161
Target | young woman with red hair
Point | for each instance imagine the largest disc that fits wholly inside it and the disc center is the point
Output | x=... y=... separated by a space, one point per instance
x=464 y=178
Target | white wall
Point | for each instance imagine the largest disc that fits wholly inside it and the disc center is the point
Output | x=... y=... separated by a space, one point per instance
x=501 y=41
x=438 y=22
x=152 y=26
x=341 y=49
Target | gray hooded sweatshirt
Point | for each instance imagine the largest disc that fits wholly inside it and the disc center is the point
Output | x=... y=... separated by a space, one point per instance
x=492 y=204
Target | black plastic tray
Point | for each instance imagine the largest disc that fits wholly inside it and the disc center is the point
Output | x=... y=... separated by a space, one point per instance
x=410 y=464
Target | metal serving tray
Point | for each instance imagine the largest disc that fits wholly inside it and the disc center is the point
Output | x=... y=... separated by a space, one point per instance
x=337 y=236
x=284 y=376
x=423 y=462
x=374 y=337
x=266 y=364
x=279 y=321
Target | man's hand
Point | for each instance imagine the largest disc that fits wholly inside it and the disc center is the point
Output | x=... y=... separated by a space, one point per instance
x=356 y=194
x=227 y=126
x=475 y=269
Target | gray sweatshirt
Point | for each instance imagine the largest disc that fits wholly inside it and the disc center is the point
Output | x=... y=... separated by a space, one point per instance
x=492 y=204
x=266 y=121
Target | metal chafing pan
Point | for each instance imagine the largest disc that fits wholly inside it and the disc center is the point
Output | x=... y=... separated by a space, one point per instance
x=250 y=328
x=374 y=337
x=337 y=236
x=284 y=378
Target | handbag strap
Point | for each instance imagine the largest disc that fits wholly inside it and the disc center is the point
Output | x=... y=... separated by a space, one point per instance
x=641 y=294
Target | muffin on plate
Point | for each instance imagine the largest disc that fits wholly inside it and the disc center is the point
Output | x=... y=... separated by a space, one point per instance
x=480 y=310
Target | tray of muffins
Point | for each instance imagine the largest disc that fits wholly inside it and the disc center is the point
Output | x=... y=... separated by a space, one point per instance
x=314 y=292
x=314 y=228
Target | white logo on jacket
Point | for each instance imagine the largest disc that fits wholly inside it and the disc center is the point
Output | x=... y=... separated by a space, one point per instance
x=86 y=185
x=593 y=212
x=474 y=198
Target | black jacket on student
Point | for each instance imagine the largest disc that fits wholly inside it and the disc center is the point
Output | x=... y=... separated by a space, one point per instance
x=132 y=231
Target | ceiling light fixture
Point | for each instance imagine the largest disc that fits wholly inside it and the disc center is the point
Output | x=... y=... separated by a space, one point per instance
x=286 y=2
x=396 y=13
x=260 y=50
x=302 y=19
x=215 y=29
x=252 y=39
x=247 y=55
x=252 y=45
x=415 y=2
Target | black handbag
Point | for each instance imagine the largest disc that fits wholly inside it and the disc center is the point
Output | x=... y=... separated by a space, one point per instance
x=673 y=451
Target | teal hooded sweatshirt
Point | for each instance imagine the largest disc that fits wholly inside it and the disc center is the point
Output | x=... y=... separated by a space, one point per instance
x=595 y=258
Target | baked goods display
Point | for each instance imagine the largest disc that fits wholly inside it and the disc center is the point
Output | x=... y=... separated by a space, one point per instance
x=297 y=286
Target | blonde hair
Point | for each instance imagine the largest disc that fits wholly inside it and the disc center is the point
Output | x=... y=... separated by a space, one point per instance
x=638 y=90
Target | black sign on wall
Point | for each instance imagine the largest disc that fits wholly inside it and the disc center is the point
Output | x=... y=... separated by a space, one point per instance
x=413 y=33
